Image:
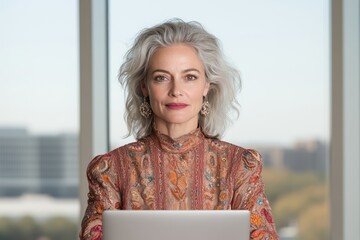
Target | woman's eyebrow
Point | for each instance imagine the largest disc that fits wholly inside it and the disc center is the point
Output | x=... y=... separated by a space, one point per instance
x=191 y=69
x=184 y=71
x=160 y=70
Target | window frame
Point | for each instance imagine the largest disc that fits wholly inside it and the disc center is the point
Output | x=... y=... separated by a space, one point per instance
x=345 y=132
x=94 y=103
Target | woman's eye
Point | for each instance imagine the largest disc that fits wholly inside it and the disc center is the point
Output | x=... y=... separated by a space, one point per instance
x=191 y=77
x=160 y=78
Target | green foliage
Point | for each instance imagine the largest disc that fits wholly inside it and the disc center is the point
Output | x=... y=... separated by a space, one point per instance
x=281 y=182
x=27 y=228
x=300 y=198
x=314 y=221
x=7 y=229
x=288 y=207
x=60 y=229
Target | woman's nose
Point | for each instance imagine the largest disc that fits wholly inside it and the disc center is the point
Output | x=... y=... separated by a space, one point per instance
x=176 y=88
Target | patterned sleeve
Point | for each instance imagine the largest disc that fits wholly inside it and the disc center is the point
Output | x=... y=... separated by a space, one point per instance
x=103 y=194
x=249 y=194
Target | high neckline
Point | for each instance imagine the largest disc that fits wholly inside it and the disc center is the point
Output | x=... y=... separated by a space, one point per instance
x=181 y=144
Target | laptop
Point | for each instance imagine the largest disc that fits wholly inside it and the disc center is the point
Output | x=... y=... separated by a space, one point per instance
x=176 y=225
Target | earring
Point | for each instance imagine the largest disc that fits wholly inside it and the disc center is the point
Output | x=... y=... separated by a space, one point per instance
x=205 y=108
x=145 y=109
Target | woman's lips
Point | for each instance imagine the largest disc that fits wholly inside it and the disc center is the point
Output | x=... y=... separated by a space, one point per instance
x=176 y=106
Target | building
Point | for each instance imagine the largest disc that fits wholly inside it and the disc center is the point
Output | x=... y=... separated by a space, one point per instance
x=38 y=164
x=58 y=169
x=303 y=156
x=307 y=155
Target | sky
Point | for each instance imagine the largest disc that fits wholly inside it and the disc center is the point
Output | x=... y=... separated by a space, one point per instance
x=39 y=75
x=280 y=47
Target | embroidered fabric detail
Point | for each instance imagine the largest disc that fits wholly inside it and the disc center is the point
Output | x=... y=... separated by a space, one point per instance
x=178 y=145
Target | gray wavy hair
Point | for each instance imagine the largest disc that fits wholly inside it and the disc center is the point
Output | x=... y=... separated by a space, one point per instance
x=224 y=79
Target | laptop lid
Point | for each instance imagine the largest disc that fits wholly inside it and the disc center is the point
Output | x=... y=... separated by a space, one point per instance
x=176 y=225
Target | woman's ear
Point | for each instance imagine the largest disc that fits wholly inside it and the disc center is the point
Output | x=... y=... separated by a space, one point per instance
x=207 y=88
x=144 y=89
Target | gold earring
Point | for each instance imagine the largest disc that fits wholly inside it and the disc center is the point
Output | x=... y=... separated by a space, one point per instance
x=145 y=109
x=205 y=108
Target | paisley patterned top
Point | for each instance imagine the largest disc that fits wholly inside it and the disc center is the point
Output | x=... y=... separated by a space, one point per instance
x=190 y=172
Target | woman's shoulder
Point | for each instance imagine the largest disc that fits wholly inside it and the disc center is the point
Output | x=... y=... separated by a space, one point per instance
x=137 y=146
x=220 y=145
x=250 y=158
x=110 y=159
x=101 y=163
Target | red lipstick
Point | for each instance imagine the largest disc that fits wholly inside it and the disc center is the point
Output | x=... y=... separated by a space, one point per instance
x=176 y=106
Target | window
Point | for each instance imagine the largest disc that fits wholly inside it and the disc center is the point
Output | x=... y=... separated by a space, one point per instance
x=39 y=119
x=344 y=164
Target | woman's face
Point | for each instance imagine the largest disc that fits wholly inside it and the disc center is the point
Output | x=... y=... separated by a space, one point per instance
x=176 y=85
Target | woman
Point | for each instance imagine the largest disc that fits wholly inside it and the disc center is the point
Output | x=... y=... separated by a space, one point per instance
x=180 y=95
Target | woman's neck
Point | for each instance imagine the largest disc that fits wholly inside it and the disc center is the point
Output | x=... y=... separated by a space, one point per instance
x=174 y=130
